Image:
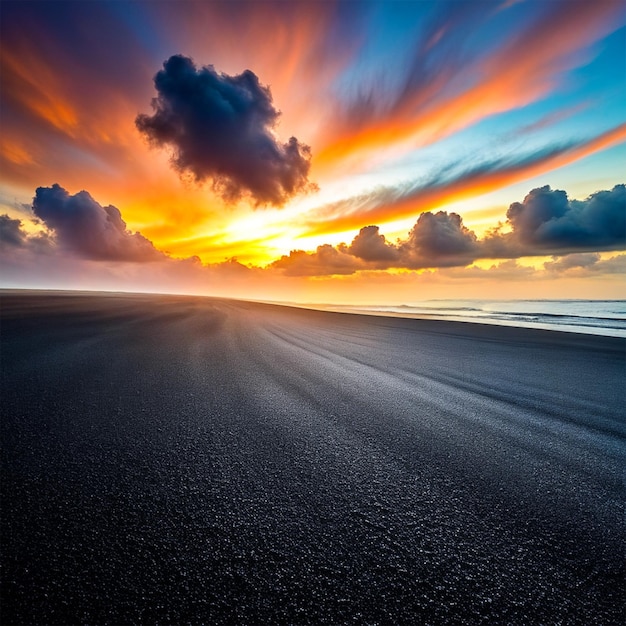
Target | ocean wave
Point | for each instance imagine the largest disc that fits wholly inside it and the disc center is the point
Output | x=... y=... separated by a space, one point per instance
x=605 y=317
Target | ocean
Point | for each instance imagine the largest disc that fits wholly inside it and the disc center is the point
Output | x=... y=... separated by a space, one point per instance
x=597 y=317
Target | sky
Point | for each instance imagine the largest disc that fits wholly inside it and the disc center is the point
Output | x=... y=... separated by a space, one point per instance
x=328 y=151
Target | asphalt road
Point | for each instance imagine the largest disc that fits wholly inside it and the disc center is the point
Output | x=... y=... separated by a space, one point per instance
x=189 y=460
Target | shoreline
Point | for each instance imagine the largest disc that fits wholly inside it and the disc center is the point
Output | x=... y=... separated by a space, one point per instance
x=565 y=328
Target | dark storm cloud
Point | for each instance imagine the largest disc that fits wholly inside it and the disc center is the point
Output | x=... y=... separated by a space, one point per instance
x=91 y=231
x=15 y=239
x=370 y=245
x=221 y=128
x=439 y=240
x=11 y=233
x=547 y=222
x=436 y=240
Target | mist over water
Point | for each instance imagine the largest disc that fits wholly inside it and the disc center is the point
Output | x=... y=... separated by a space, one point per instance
x=597 y=317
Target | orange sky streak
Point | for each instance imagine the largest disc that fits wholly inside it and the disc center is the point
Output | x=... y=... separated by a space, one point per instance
x=464 y=187
x=522 y=72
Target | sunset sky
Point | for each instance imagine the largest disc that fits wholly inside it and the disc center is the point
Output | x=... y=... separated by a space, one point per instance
x=347 y=152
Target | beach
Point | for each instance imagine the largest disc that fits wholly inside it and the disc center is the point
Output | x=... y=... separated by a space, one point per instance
x=178 y=459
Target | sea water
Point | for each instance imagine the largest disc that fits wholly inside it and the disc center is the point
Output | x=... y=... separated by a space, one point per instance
x=599 y=317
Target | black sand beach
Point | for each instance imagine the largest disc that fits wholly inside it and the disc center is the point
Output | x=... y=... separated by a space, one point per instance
x=186 y=460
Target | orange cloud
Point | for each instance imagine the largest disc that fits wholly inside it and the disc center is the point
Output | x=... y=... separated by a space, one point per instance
x=15 y=152
x=34 y=85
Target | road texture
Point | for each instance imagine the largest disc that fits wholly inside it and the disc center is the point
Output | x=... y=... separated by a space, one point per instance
x=181 y=460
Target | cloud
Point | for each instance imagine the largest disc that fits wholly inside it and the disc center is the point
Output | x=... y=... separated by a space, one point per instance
x=439 y=240
x=14 y=239
x=221 y=127
x=598 y=222
x=89 y=230
x=586 y=264
x=80 y=227
x=325 y=261
x=11 y=233
x=572 y=261
x=509 y=270
x=371 y=246
x=547 y=222
x=614 y=265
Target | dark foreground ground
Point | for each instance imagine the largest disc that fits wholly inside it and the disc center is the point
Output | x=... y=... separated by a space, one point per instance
x=172 y=459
